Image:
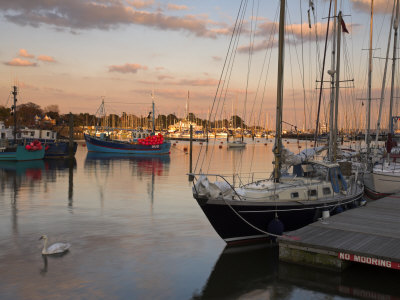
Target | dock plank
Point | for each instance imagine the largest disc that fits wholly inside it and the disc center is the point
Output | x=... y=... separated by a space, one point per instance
x=372 y=231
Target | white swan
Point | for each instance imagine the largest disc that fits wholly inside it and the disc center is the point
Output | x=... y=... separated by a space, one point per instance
x=55 y=248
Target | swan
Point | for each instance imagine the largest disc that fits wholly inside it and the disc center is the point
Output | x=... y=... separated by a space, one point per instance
x=55 y=248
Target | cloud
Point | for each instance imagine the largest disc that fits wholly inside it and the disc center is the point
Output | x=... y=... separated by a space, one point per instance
x=100 y=14
x=294 y=34
x=18 y=62
x=141 y=3
x=162 y=77
x=380 y=6
x=217 y=58
x=45 y=58
x=126 y=68
x=176 y=7
x=196 y=82
x=24 y=53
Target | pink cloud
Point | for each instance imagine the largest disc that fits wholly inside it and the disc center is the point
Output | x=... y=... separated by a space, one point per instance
x=18 y=62
x=46 y=58
x=24 y=53
x=103 y=15
x=176 y=7
x=141 y=3
x=162 y=77
x=127 y=68
x=380 y=6
x=217 y=58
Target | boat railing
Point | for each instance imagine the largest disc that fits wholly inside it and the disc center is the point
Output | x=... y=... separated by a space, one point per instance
x=236 y=180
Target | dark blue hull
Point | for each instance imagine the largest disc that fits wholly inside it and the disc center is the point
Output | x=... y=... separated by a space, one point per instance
x=95 y=144
x=59 y=149
x=235 y=223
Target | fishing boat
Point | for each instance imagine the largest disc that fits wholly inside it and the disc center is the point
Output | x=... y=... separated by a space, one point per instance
x=286 y=201
x=17 y=149
x=140 y=143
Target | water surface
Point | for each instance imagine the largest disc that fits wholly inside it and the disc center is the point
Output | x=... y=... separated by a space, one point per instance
x=137 y=233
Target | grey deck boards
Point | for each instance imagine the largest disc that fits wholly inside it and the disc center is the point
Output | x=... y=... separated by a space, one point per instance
x=372 y=230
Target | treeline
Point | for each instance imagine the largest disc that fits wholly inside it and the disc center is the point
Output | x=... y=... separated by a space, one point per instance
x=31 y=115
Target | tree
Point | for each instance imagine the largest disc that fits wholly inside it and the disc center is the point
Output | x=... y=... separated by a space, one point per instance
x=171 y=119
x=52 y=111
x=26 y=113
x=4 y=113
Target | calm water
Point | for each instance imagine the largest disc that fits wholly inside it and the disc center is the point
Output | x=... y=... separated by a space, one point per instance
x=137 y=233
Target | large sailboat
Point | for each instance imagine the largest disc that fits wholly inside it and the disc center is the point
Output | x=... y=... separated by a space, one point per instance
x=284 y=202
x=383 y=177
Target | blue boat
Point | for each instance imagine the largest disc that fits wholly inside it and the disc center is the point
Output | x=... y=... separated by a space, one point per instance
x=20 y=153
x=16 y=150
x=105 y=144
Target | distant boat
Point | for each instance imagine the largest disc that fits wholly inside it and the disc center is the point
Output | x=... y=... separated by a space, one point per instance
x=236 y=144
x=15 y=150
x=141 y=142
x=54 y=147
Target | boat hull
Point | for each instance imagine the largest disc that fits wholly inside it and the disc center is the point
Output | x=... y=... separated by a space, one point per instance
x=20 y=154
x=59 y=149
x=95 y=144
x=231 y=222
x=379 y=185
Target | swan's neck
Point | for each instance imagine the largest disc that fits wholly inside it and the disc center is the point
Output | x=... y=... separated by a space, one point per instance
x=44 y=251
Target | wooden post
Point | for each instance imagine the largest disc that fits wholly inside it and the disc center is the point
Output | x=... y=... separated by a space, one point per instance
x=71 y=134
x=191 y=177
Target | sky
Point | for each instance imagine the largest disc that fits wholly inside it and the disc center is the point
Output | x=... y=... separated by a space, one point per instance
x=76 y=53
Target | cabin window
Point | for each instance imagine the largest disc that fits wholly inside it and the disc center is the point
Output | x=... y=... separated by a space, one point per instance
x=294 y=195
x=52 y=135
x=32 y=133
x=312 y=193
x=326 y=190
x=3 y=135
x=48 y=133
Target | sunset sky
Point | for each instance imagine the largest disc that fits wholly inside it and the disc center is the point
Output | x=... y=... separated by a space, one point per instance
x=72 y=53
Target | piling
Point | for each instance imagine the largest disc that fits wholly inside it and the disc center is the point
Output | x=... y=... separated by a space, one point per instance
x=191 y=177
x=71 y=135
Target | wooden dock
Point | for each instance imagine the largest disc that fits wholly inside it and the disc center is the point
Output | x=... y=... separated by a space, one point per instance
x=368 y=234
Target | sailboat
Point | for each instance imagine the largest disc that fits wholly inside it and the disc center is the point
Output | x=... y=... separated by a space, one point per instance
x=383 y=177
x=266 y=208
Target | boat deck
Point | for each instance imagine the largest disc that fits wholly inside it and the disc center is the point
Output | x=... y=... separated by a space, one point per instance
x=368 y=234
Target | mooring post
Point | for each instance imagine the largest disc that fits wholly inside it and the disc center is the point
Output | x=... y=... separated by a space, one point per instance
x=71 y=134
x=191 y=177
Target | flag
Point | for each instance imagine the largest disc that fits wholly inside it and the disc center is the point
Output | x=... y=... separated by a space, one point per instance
x=344 y=28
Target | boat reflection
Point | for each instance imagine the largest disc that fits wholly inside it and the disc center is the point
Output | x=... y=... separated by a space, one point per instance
x=242 y=272
x=254 y=272
x=154 y=165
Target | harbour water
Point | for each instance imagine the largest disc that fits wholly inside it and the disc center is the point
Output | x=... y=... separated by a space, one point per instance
x=137 y=233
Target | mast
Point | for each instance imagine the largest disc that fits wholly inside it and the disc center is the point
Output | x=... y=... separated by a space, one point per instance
x=367 y=140
x=395 y=27
x=332 y=132
x=378 y=125
x=14 y=108
x=153 y=127
x=279 y=96
x=335 y=127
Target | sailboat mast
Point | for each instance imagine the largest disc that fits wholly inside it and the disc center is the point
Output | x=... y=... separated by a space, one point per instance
x=335 y=127
x=332 y=96
x=378 y=124
x=15 y=114
x=395 y=27
x=279 y=95
x=367 y=139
